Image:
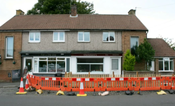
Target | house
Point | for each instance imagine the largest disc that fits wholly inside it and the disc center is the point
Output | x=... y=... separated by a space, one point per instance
x=164 y=57
x=77 y=43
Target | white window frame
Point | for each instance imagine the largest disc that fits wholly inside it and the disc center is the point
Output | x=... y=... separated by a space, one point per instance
x=166 y=59
x=59 y=37
x=38 y=59
x=34 y=41
x=111 y=63
x=83 y=37
x=7 y=49
x=90 y=64
x=108 y=36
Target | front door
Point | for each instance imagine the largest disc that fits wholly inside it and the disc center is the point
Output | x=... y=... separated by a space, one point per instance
x=28 y=64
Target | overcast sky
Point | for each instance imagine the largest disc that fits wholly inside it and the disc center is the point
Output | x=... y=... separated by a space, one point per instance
x=157 y=15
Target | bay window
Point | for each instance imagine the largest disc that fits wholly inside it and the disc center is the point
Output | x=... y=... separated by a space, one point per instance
x=166 y=64
x=51 y=64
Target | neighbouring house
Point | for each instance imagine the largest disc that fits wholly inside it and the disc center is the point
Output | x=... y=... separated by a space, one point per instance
x=77 y=43
x=164 y=57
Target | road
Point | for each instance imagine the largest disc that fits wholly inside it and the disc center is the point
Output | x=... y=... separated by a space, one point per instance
x=111 y=100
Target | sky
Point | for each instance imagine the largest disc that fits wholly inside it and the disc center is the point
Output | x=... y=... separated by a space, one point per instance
x=157 y=15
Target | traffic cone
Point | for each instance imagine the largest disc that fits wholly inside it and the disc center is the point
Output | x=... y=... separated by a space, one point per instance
x=27 y=84
x=81 y=93
x=21 y=90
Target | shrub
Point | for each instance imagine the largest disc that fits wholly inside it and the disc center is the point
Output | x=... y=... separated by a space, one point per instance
x=129 y=61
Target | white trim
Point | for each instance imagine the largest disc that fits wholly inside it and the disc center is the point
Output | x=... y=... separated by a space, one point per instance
x=34 y=41
x=7 y=49
x=74 y=16
x=108 y=36
x=83 y=37
x=168 y=60
x=58 y=34
x=24 y=62
x=38 y=57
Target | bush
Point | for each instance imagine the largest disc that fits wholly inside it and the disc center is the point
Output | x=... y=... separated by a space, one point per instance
x=129 y=61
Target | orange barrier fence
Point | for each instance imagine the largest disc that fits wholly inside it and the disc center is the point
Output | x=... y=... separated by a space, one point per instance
x=102 y=84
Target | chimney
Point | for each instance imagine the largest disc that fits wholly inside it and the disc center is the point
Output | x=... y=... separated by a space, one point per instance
x=131 y=12
x=74 y=11
x=19 y=12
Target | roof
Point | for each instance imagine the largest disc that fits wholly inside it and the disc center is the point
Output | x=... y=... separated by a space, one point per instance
x=64 y=21
x=162 y=49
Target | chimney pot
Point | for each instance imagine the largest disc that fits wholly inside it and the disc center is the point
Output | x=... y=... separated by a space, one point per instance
x=74 y=11
x=132 y=12
x=19 y=12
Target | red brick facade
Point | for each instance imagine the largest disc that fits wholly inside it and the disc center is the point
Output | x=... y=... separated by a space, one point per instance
x=7 y=65
x=126 y=35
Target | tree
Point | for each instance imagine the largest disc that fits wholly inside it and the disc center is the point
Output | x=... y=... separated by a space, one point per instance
x=145 y=52
x=170 y=42
x=129 y=61
x=61 y=7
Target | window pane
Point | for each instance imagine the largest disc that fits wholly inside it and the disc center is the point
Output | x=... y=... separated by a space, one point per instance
x=31 y=36
x=61 y=36
x=161 y=65
x=161 y=59
x=35 y=65
x=83 y=68
x=51 y=66
x=68 y=64
x=60 y=66
x=111 y=36
x=134 y=41
x=171 y=65
x=42 y=66
x=166 y=65
x=105 y=36
x=42 y=58
x=114 y=64
x=52 y=58
x=90 y=60
x=60 y=58
x=96 y=67
x=80 y=36
x=55 y=36
x=9 y=46
x=37 y=37
x=86 y=36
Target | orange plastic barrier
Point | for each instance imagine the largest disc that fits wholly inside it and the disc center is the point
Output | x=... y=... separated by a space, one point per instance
x=150 y=83
x=173 y=83
x=102 y=84
x=167 y=83
x=118 y=84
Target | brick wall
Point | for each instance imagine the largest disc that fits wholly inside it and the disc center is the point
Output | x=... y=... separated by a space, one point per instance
x=126 y=35
x=7 y=64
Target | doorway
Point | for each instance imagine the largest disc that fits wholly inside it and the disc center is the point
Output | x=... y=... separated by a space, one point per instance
x=28 y=64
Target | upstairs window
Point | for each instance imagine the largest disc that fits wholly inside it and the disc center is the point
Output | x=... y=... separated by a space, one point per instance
x=34 y=37
x=134 y=43
x=83 y=36
x=108 y=37
x=9 y=47
x=58 y=37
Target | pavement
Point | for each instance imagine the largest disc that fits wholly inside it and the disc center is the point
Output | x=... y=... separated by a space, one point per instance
x=9 y=84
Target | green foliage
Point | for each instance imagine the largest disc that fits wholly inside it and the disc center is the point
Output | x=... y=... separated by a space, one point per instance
x=145 y=52
x=60 y=7
x=129 y=61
